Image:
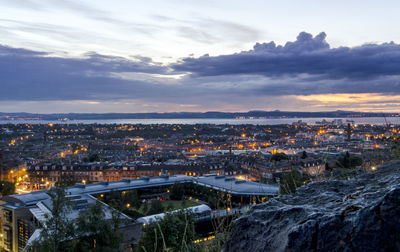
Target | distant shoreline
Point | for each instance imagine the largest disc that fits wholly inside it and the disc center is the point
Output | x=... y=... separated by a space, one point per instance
x=216 y=121
x=250 y=115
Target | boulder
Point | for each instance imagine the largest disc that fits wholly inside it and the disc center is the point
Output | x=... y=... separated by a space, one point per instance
x=360 y=214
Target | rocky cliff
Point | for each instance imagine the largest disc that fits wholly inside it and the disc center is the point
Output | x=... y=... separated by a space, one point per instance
x=361 y=214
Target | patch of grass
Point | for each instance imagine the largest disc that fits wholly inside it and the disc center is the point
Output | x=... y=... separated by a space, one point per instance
x=178 y=204
x=171 y=205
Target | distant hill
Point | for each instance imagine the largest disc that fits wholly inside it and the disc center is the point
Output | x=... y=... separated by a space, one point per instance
x=195 y=115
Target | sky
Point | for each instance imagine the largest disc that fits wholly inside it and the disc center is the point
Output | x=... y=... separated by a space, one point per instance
x=60 y=56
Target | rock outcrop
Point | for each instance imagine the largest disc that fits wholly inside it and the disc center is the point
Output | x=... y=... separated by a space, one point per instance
x=361 y=214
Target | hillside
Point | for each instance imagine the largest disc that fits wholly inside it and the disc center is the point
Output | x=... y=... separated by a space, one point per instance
x=361 y=214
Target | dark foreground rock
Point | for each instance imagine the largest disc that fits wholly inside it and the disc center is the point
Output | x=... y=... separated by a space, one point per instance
x=362 y=214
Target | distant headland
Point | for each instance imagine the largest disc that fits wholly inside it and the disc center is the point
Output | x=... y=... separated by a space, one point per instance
x=255 y=114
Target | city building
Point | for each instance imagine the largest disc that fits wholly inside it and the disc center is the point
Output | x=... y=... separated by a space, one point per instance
x=23 y=214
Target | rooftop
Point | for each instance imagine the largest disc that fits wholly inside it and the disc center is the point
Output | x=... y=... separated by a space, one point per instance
x=236 y=186
x=127 y=184
x=222 y=183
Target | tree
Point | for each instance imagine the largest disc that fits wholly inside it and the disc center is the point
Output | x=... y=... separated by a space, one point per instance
x=96 y=233
x=155 y=207
x=145 y=208
x=213 y=201
x=395 y=149
x=173 y=233
x=356 y=161
x=7 y=188
x=57 y=229
x=133 y=213
x=291 y=180
x=90 y=232
x=279 y=156
x=346 y=160
x=349 y=161
x=327 y=167
x=177 y=191
x=131 y=198
x=114 y=199
x=92 y=158
x=65 y=181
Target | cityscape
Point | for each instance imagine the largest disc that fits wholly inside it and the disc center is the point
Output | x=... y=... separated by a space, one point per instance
x=247 y=163
x=199 y=126
x=37 y=157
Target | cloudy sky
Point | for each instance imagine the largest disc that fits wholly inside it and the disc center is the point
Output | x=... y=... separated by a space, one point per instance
x=225 y=55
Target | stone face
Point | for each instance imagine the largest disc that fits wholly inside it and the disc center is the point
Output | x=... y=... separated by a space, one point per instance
x=361 y=214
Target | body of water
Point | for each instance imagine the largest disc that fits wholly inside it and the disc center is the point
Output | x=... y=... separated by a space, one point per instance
x=359 y=120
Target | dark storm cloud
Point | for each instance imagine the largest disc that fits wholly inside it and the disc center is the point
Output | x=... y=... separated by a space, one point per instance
x=27 y=75
x=305 y=67
x=30 y=75
x=298 y=86
x=17 y=57
x=307 y=55
x=6 y=52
